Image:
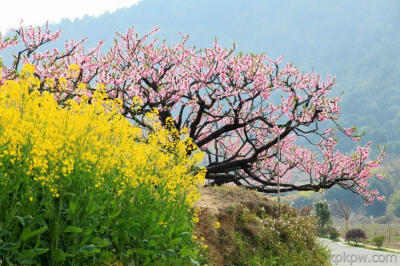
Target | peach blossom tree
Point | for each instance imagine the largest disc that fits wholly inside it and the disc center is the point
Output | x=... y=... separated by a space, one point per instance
x=263 y=124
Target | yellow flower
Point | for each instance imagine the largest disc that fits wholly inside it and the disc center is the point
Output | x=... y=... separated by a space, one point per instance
x=93 y=138
x=163 y=224
x=217 y=225
x=204 y=246
x=30 y=198
x=27 y=69
x=63 y=83
x=73 y=70
x=195 y=218
x=50 y=82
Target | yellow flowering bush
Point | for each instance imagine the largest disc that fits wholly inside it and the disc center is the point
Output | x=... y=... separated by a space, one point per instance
x=90 y=181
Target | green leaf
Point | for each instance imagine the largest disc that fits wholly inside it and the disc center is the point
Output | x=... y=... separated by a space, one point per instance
x=129 y=252
x=101 y=243
x=88 y=231
x=73 y=229
x=31 y=253
x=73 y=206
x=59 y=255
x=91 y=208
x=115 y=214
x=27 y=234
x=21 y=220
x=103 y=229
x=8 y=245
x=89 y=249
x=27 y=261
x=194 y=262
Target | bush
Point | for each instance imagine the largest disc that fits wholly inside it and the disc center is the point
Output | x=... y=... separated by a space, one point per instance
x=355 y=235
x=378 y=240
x=81 y=185
x=333 y=233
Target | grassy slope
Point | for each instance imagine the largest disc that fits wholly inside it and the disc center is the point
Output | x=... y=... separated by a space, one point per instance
x=255 y=231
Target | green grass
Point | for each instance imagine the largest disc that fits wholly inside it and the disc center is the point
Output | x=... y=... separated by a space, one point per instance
x=370 y=248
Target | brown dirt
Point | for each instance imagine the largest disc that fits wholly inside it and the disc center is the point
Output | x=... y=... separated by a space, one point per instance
x=217 y=199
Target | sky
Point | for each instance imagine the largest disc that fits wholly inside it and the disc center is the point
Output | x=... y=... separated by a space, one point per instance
x=37 y=12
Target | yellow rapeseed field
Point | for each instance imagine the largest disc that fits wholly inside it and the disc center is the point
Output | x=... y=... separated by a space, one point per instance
x=51 y=142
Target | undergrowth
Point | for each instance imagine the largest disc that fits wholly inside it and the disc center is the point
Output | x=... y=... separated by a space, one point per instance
x=253 y=232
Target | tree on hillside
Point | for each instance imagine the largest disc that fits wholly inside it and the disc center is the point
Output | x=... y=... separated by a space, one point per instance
x=323 y=214
x=247 y=112
x=394 y=204
x=344 y=211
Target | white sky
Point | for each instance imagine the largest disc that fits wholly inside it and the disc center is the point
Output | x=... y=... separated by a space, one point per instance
x=37 y=12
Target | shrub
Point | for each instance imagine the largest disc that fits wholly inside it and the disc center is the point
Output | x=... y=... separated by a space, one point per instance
x=333 y=233
x=378 y=240
x=355 y=235
x=81 y=185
